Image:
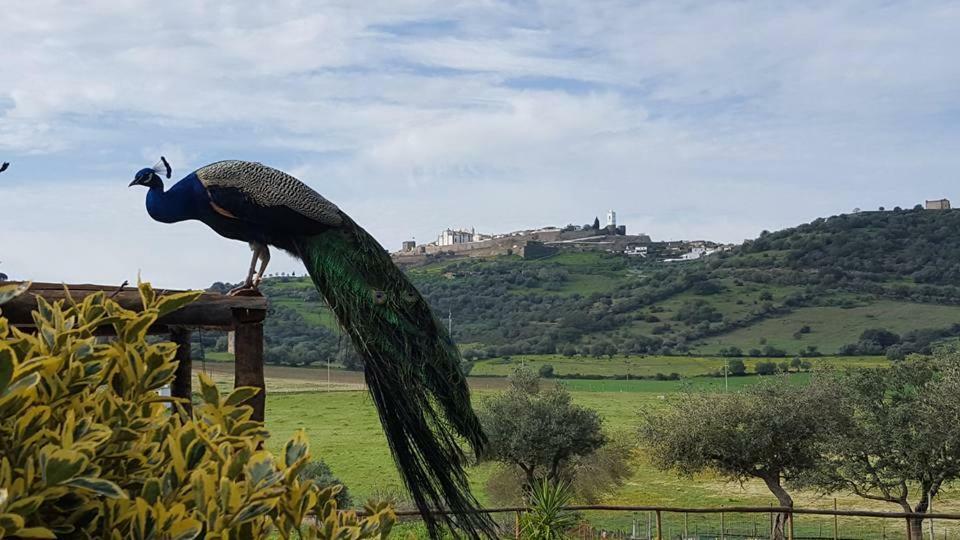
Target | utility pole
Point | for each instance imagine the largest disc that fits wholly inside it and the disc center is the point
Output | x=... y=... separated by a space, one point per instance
x=726 y=384
x=450 y=322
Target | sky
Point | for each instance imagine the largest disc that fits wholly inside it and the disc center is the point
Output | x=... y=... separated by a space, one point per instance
x=693 y=120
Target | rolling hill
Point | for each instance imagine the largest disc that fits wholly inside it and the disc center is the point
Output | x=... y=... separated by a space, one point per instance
x=871 y=283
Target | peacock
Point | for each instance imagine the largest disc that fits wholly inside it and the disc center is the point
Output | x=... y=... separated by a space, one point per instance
x=411 y=365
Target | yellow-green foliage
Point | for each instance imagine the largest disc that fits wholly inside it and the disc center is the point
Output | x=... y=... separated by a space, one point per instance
x=89 y=449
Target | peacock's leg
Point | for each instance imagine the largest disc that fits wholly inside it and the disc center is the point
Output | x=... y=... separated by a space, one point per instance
x=264 y=254
x=255 y=248
x=250 y=284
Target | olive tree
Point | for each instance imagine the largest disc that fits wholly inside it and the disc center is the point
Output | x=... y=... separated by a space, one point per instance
x=539 y=431
x=769 y=432
x=897 y=439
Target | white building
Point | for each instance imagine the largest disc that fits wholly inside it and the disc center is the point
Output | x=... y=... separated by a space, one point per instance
x=450 y=237
x=611 y=219
x=694 y=254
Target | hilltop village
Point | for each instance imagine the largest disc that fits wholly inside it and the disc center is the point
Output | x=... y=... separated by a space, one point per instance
x=545 y=241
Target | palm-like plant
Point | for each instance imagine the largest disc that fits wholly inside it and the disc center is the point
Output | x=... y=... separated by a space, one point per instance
x=548 y=519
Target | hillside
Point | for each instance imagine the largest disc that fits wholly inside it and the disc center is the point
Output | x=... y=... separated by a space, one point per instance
x=861 y=284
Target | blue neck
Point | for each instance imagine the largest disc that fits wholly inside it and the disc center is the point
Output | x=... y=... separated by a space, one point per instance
x=179 y=203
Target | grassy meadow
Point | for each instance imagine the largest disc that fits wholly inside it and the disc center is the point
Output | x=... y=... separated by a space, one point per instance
x=645 y=366
x=832 y=327
x=342 y=425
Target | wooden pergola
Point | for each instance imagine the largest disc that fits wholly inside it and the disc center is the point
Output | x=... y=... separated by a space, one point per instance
x=242 y=315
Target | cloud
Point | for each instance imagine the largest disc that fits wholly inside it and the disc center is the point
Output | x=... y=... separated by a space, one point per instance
x=711 y=120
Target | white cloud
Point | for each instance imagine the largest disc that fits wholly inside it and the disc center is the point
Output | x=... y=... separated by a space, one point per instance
x=708 y=120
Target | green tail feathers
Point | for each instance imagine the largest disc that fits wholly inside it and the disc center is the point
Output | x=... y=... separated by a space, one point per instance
x=412 y=369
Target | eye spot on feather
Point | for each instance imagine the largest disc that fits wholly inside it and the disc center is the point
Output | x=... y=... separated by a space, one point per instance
x=409 y=297
x=379 y=297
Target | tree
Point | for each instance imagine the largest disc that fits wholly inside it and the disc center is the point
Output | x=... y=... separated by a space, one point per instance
x=736 y=368
x=770 y=432
x=895 y=442
x=546 y=371
x=765 y=368
x=596 y=223
x=796 y=363
x=539 y=431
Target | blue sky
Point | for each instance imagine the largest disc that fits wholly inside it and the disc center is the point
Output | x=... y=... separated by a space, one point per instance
x=707 y=120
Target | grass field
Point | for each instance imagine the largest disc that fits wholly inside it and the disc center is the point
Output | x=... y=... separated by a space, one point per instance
x=833 y=327
x=647 y=366
x=344 y=430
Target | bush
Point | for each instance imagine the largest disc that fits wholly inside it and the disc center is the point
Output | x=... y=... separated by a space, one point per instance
x=736 y=368
x=322 y=475
x=88 y=449
x=546 y=371
x=765 y=368
x=547 y=519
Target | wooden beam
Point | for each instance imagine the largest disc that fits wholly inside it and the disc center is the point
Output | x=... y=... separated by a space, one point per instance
x=182 y=386
x=248 y=358
x=211 y=310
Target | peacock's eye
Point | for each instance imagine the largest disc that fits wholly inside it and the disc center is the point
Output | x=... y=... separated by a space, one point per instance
x=409 y=296
x=379 y=297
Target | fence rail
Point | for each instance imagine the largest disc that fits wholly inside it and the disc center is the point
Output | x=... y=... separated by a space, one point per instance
x=656 y=532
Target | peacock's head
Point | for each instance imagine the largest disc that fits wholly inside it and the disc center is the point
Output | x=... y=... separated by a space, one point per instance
x=149 y=176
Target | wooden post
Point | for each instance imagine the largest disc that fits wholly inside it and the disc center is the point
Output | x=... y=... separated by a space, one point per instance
x=181 y=385
x=686 y=530
x=659 y=527
x=516 y=526
x=722 y=527
x=248 y=365
x=909 y=535
x=790 y=517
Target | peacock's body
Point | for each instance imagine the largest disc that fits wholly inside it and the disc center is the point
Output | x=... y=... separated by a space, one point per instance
x=412 y=367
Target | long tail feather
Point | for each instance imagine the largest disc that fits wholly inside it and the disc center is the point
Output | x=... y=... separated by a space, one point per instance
x=412 y=369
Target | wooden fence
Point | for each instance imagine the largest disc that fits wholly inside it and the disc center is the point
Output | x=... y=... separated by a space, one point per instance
x=721 y=513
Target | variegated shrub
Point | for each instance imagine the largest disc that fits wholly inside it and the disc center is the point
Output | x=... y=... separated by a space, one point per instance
x=89 y=449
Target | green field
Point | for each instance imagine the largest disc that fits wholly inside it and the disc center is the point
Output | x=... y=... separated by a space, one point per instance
x=833 y=327
x=647 y=366
x=344 y=430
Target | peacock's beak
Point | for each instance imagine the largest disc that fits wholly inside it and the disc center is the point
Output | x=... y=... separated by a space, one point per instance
x=135 y=182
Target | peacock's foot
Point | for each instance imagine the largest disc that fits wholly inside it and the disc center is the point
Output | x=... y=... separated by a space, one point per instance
x=247 y=289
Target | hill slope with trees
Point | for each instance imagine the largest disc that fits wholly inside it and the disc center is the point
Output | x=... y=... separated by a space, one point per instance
x=870 y=283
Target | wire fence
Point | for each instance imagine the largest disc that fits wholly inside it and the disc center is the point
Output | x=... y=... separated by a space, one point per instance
x=737 y=523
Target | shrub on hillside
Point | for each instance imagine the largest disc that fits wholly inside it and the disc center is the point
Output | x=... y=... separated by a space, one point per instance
x=736 y=368
x=89 y=449
x=766 y=368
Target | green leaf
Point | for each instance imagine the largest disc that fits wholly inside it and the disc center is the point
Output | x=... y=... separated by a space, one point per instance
x=173 y=302
x=35 y=532
x=147 y=294
x=136 y=329
x=241 y=395
x=13 y=290
x=22 y=384
x=62 y=465
x=25 y=506
x=296 y=448
x=208 y=389
x=99 y=486
x=6 y=367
